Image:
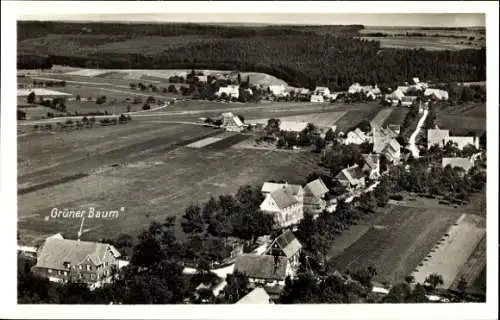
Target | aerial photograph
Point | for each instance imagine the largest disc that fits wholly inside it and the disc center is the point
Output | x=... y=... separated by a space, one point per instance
x=251 y=159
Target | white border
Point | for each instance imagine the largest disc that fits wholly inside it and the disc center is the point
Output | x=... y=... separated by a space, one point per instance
x=9 y=308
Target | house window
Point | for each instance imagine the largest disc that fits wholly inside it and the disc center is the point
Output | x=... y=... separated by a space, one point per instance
x=87 y=267
x=65 y=273
x=80 y=267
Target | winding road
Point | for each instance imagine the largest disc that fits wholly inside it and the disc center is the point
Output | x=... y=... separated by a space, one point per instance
x=411 y=144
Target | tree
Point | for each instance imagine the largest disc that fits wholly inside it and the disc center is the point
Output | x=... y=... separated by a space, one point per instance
x=364 y=126
x=146 y=107
x=410 y=279
x=329 y=135
x=434 y=280
x=78 y=98
x=462 y=286
x=236 y=288
x=242 y=119
x=273 y=126
x=31 y=97
x=398 y=294
x=192 y=221
x=367 y=202
x=248 y=79
x=239 y=78
x=209 y=209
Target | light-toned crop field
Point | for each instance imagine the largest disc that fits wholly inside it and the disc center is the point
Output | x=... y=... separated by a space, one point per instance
x=453 y=250
x=382 y=116
x=397 y=240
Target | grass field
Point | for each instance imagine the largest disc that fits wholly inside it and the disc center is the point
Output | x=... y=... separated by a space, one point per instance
x=463 y=119
x=382 y=116
x=453 y=250
x=396 y=117
x=141 y=166
x=431 y=44
x=397 y=240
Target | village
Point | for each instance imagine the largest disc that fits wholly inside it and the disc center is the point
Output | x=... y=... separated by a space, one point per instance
x=274 y=259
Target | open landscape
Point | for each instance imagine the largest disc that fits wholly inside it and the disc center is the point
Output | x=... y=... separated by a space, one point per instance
x=259 y=141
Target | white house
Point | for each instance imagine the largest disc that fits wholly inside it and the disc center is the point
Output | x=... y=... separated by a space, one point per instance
x=314 y=193
x=278 y=90
x=384 y=142
x=256 y=296
x=285 y=202
x=320 y=93
x=436 y=93
x=231 y=122
x=371 y=165
x=351 y=177
x=232 y=91
x=356 y=137
x=317 y=98
x=442 y=137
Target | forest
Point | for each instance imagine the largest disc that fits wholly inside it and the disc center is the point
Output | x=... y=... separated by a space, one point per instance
x=302 y=56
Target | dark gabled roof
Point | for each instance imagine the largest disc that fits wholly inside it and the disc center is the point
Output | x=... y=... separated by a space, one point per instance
x=288 y=243
x=351 y=174
x=283 y=198
x=56 y=251
x=261 y=266
x=371 y=160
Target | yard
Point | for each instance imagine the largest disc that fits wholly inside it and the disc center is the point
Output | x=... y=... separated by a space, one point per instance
x=396 y=242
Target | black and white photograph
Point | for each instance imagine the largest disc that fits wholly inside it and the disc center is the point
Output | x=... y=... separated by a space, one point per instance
x=169 y=155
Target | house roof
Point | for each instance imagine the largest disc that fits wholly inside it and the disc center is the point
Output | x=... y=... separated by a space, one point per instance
x=262 y=266
x=351 y=174
x=283 y=198
x=464 y=163
x=316 y=188
x=256 y=296
x=288 y=243
x=371 y=160
x=56 y=251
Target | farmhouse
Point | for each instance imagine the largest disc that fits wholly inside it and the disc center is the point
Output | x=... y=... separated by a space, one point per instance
x=286 y=245
x=263 y=269
x=314 y=193
x=370 y=91
x=232 y=91
x=371 y=165
x=384 y=142
x=278 y=90
x=356 y=137
x=463 y=163
x=231 y=122
x=284 y=201
x=351 y=177
x=441 y=137
x=63 y=260
x=319 y=94
x=436 y=94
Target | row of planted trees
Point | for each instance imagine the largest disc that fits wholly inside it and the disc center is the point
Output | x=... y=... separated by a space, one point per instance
x=84 y=123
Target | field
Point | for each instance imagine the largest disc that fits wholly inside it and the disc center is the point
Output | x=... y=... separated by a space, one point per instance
x=453 y=251
x=432 y=39
x=397 y=240
x=463 y=119
x=382 y=116
x=396 y=117
x=141 y=166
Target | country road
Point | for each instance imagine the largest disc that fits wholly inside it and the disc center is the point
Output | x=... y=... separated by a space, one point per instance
x=412 y=146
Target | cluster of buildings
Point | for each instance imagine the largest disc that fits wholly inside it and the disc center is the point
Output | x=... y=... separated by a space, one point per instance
x=407 y=95
x=267 y=272
x=441 y=137
x=287 y=202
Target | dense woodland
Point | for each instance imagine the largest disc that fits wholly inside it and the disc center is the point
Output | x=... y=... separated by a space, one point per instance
x=330 y=56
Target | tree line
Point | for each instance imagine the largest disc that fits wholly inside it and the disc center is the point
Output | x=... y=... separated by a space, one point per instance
x=330 y=59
